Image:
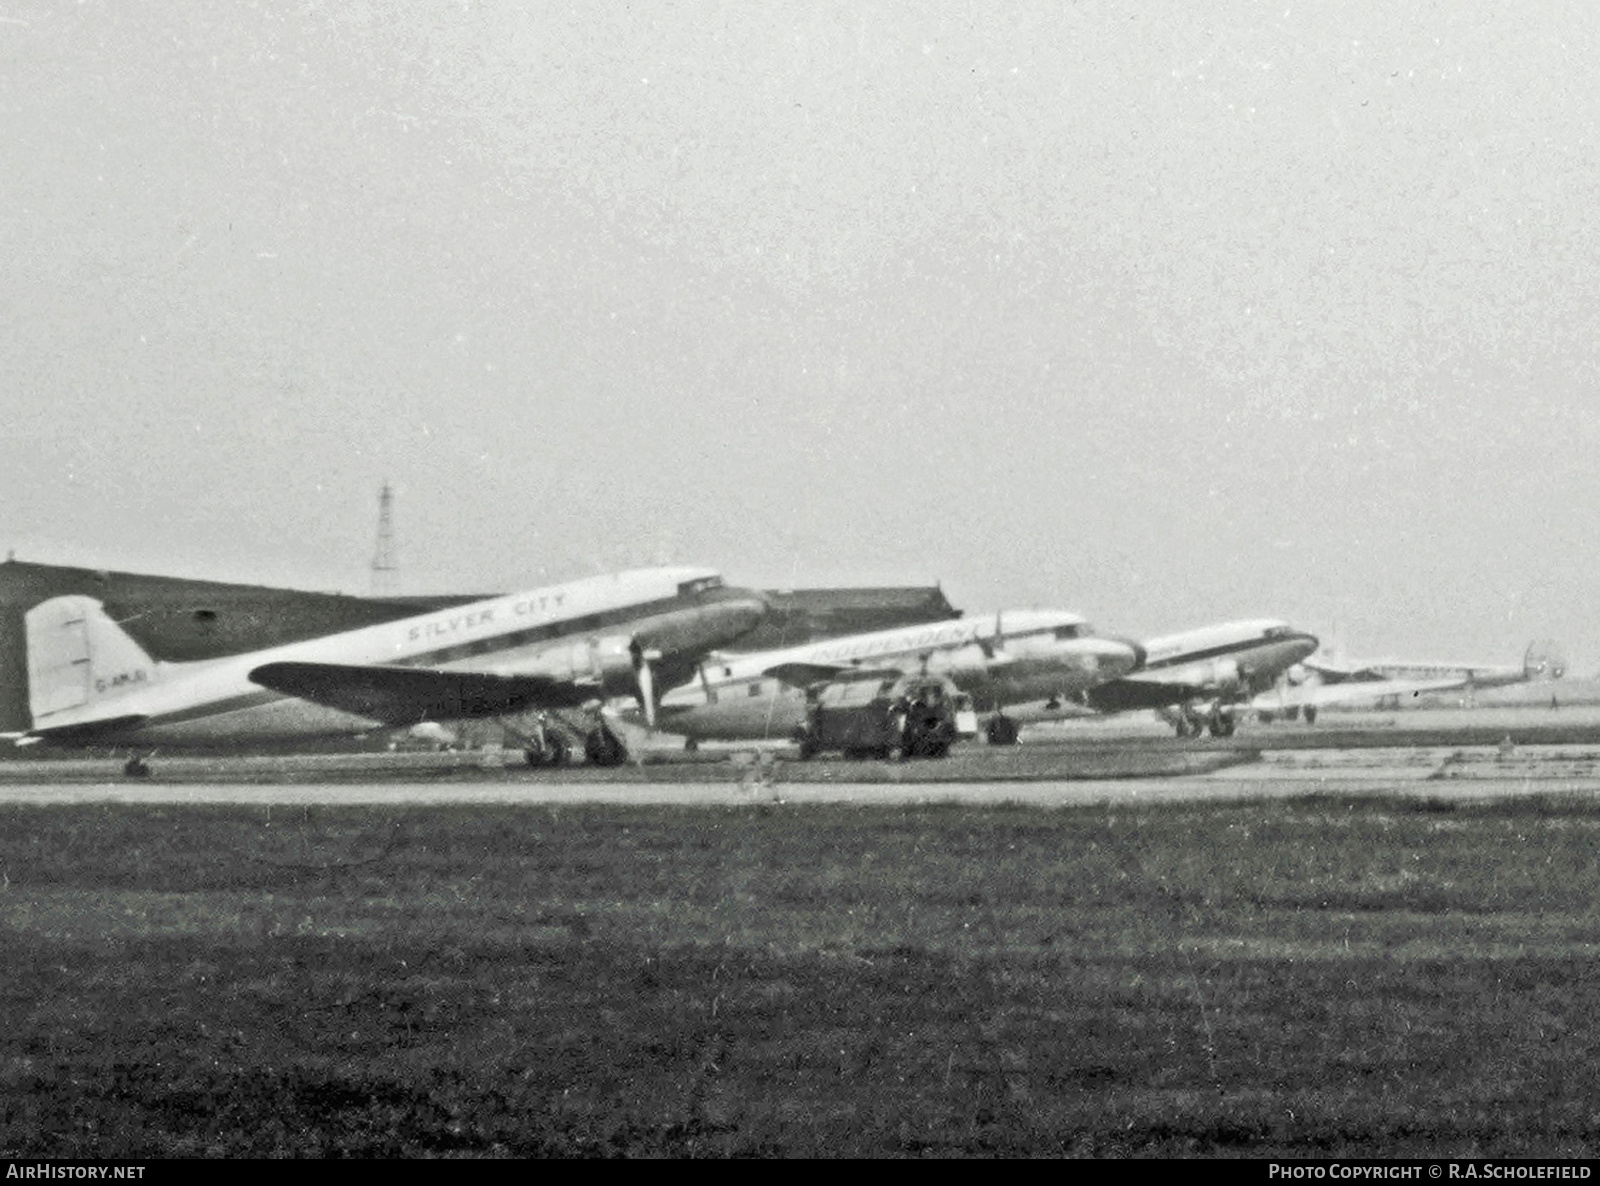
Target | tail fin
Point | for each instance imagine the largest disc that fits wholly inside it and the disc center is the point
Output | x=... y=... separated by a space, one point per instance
x=1544 y=660
x=81 y=664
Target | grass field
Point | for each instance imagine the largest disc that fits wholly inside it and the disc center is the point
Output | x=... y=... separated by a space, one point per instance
x=1310 y=977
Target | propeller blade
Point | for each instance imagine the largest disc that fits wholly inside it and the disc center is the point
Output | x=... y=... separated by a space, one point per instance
x=646 y=676
x=647 y=692
x=994 y=645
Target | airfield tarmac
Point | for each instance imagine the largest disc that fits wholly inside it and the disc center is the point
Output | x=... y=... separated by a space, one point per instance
x=1455 y=755
x=1303 y=950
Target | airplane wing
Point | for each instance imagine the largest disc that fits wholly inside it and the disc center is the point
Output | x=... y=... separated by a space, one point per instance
x=1148 y=690
x=1355 y=692
x=407 y=695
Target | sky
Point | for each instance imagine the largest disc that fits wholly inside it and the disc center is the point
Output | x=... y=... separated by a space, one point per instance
x=1166 y=313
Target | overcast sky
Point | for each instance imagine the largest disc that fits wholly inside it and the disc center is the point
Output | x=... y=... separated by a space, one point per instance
x=1166 y=313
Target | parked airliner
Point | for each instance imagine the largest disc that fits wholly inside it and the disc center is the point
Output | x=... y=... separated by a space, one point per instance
x=997 y=659
x=1322 y=681
x=566 y=646
x=1204 y=677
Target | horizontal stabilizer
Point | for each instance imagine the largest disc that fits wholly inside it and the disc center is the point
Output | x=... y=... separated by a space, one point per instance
x=407 y=695
x=103 y=731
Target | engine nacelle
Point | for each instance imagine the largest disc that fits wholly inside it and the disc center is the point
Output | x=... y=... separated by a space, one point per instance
x=606 y=664
x=1225 y=675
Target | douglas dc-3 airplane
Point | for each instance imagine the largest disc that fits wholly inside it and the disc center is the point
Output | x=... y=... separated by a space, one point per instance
x=997 y=659
x=564 y=647
x=1322 y=681
x=1203 y=677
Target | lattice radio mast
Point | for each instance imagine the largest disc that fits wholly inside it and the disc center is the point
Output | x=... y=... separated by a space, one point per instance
x=385 y=567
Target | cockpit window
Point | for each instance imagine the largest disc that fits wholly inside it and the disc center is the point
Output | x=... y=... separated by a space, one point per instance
x=1277 y=632
x=690 y=588
x=1063 y=633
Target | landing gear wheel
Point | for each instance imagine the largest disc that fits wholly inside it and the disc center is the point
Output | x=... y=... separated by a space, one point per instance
x=552 y=753
x=691 y=745
x=136 y=767
x=1222 y=724
x=1002 y=730
x=601 y=747
x=929 y=736
x=1311 y=714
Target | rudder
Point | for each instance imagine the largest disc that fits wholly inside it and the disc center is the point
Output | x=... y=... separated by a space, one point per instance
x=80 y=662
x=1544 y=660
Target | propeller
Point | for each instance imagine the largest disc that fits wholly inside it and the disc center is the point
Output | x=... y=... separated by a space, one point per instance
x=995 y=645
x=645 y=674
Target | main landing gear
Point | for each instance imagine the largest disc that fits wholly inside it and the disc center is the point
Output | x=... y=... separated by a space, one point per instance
x=550 y=743
x=602 y=747
x=552 y=752
x=1190 y=723
x=1001 y=730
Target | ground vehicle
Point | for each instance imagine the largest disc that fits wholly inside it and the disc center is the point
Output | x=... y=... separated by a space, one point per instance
x=889 y=717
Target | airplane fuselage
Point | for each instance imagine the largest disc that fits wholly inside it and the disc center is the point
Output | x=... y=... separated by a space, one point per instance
x=1480 y=675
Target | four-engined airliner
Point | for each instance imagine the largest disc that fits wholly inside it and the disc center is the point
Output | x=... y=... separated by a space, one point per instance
x=568 y=646
x=1323 y=681
x=1204 y=677
x=997 y=659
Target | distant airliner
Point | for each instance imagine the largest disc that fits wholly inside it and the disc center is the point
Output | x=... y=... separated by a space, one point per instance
x=998 y=659
x=563 y=647
x=1323 y=681
x=1204 y=676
